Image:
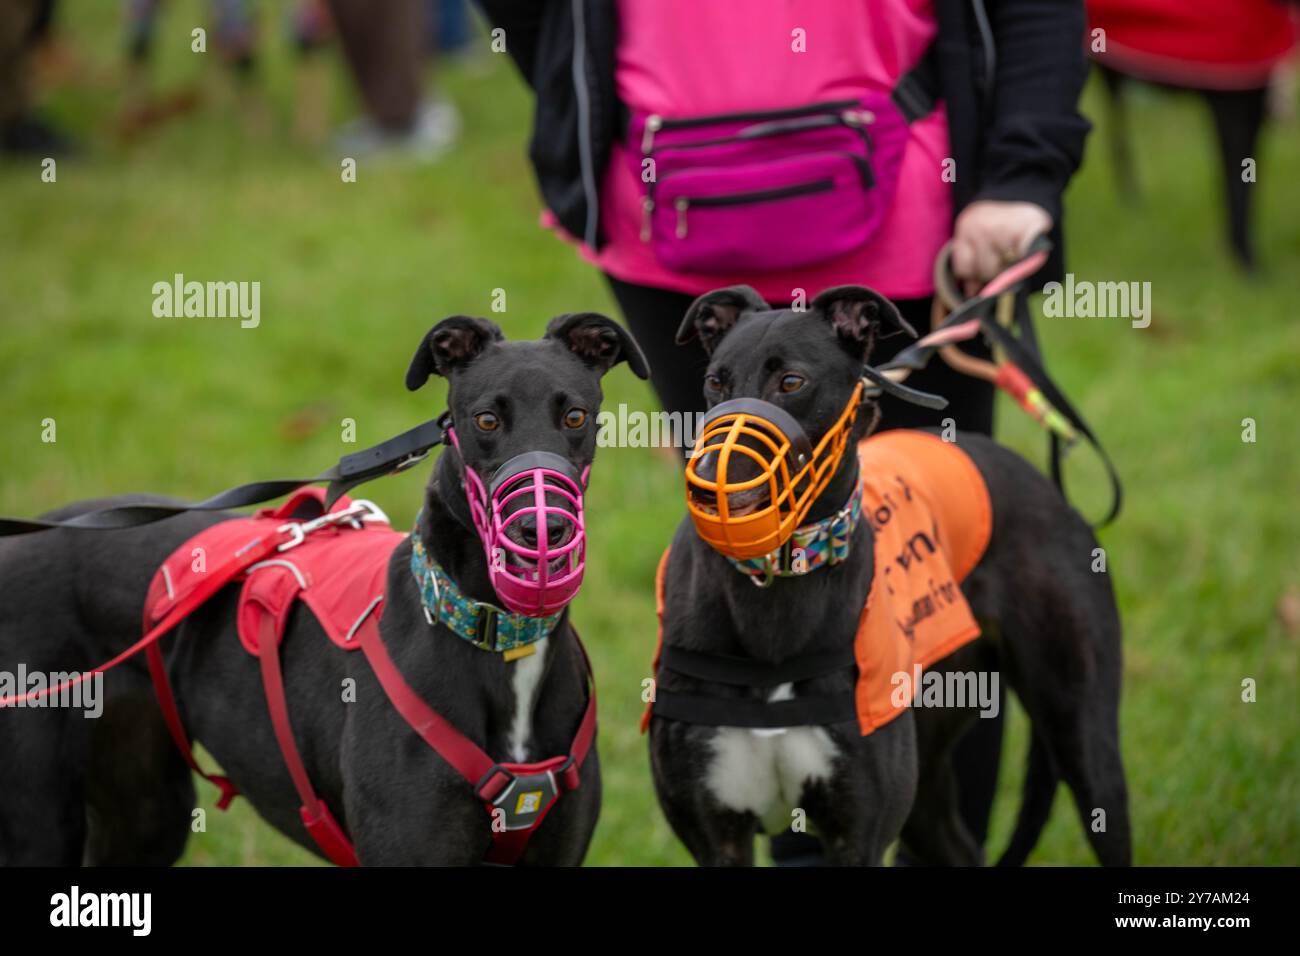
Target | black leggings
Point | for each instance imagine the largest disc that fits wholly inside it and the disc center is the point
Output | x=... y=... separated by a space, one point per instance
x=677 y=374
x=677 y=371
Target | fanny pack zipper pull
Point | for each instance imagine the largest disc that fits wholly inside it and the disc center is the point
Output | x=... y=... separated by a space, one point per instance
x=647 y=212
x=858 y=117
x=681 y=204
x=653 y=123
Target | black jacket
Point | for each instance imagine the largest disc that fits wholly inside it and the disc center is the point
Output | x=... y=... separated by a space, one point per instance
x=1010 y=73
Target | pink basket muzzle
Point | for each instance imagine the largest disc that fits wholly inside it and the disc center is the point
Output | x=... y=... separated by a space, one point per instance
x=530 y=520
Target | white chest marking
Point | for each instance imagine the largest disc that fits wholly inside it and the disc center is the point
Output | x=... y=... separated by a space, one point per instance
x=527 y=675
x=764 y=771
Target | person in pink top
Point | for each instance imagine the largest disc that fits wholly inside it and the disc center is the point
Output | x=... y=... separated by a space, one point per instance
x=993 y=142
x=662 y=69
x=793 y=145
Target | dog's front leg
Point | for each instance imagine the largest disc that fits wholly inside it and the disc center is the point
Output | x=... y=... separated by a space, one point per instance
x=715 y=834
x=935 y=833
x=408 y=824
x=860 y=810
x=729 y=839
x=404 y=806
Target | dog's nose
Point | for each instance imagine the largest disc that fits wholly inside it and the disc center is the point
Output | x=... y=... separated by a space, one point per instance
x=556 y=527
x=706 y=466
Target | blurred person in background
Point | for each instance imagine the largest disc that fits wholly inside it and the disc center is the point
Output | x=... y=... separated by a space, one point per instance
x=1229 y=51
x=1006 y=74
x=385 y=50
x=235 y=38
x=24 y=24
x=450 y=33
x=386 y=47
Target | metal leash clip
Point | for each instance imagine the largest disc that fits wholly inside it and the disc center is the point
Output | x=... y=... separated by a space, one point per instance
x=354 y=514
x=410 y=460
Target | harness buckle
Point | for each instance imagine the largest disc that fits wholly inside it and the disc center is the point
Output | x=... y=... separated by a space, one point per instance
x=523 y=793
x=785 y=558
x=485 y=631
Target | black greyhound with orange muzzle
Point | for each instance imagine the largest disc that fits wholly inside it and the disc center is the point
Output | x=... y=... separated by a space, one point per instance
x=832 y=595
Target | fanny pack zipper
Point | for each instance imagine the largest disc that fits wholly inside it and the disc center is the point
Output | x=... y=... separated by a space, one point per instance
x=654 y=122
x=857 y=120
x=648 y=201
x=683 y=203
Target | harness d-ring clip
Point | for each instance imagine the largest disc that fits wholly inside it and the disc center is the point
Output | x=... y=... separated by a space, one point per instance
x=372 y=512
x=437 y=603
x=296 y=535
x=765 y=577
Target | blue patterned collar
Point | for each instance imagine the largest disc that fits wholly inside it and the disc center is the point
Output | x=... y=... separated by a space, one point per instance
x=824 y=542
x=484 y=625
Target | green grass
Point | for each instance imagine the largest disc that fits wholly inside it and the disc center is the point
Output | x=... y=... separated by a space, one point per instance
x=353 y=275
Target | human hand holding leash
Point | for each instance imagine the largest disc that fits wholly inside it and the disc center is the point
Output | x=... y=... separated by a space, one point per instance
x=990 y=233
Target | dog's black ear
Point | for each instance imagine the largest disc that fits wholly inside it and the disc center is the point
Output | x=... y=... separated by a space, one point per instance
x=453 y=342
x=715 y=313
x=599 y=341
x=855 y=313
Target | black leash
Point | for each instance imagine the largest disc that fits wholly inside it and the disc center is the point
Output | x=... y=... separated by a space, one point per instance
x=1029 y=362
x=387 y=458
x=1022 y=351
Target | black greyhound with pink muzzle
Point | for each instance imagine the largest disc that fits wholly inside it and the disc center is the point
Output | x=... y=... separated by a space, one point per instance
x=465 y=690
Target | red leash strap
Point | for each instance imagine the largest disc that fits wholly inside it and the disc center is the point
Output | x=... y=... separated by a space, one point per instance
x=167 y=702
x=213 y=583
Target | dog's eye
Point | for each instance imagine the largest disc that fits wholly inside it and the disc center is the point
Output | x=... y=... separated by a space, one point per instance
x=575 y=418
x=713 y=383
x=487 y=421
x=791 y=383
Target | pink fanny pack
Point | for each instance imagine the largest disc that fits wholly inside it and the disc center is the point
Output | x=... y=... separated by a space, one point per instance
x=778 y=189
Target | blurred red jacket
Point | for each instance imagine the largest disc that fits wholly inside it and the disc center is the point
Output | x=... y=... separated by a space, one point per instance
x=1204 y=44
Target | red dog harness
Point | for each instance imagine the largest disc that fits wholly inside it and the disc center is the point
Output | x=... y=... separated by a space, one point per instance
x=337 y=564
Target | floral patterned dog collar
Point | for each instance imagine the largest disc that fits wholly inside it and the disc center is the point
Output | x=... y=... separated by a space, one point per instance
x=824 y=542
x=484 y=625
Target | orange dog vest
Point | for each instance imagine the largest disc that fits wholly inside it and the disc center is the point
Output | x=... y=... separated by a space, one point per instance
x=931 y=519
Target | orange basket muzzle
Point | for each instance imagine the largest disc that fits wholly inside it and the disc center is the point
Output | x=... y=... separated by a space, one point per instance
x=761 y=474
